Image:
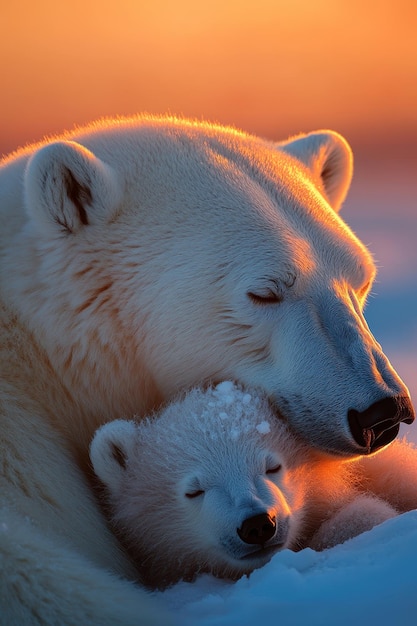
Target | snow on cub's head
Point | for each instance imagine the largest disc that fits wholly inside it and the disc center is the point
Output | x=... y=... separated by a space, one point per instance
x=207 y=485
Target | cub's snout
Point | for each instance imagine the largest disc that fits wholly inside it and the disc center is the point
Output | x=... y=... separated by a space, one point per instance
x=258 y=529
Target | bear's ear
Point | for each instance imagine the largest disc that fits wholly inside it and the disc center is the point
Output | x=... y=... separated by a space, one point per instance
x=110 y=450
x=67 y=187
x=329 y=157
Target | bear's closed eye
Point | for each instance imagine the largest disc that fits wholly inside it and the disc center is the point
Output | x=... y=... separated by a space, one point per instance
x=194 y=494
x=274 y=470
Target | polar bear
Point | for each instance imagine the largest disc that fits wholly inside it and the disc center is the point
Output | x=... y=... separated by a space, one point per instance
x=217 y=483
x=143 y=256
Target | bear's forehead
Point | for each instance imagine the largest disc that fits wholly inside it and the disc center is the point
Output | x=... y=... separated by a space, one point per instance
x=257 y=190
x=184 y=150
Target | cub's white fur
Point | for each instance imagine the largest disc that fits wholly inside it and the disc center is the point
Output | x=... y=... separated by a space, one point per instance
x=216 y=482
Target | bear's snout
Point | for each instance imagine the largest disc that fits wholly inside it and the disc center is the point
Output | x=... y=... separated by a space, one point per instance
x=258 y=529
x=379 y=424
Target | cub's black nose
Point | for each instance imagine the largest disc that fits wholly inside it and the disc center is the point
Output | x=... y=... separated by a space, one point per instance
x=379 y=424
x=257 y=529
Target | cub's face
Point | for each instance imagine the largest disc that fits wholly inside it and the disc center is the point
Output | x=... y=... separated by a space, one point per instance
x=241 y=514
x=221 y=499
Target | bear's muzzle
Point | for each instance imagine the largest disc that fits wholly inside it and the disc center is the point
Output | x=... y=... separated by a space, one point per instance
x=379 y=424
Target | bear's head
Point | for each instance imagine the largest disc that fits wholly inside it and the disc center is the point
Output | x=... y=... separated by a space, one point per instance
x=160 y=254
x=211 y=484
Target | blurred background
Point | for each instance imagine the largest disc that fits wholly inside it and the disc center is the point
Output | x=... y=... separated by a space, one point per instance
x=271 y=67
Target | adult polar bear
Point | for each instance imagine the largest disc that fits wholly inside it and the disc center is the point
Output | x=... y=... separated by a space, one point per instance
x=145 y=255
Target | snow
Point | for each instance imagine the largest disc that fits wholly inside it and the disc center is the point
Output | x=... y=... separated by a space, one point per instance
x=226 y=395
x=263 y=428
x=371 y=579
x=225 y=388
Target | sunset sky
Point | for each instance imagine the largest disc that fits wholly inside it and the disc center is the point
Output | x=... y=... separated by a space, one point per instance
x=274 y=67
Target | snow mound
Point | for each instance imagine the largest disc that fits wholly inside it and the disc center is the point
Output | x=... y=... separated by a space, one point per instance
x=370 y=579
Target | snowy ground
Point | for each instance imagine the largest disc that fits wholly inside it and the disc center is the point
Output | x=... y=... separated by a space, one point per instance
x=371 y=579
x=368 y=580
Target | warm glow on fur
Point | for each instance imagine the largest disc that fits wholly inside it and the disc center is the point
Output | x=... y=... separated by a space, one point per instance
x=144 y=256
x=226 y=485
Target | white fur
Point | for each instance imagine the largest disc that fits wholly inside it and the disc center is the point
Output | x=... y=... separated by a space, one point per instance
x=152 y=193
x=329 y=158
x=354 y=518
x=63 y=179
x=140 y=257
x=107 y=468
x=191 y=475
x=44 y=573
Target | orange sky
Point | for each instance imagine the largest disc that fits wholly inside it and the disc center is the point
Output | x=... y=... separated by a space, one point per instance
x=271 y=66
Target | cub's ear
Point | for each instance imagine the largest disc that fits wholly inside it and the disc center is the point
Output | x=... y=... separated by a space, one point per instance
x=110 y=449
x=67 y=187
x=329 y=157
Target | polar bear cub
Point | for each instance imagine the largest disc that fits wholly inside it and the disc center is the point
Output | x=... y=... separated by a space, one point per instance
x=216 y=482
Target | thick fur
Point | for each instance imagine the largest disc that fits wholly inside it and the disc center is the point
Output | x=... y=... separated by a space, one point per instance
x=59 y=563
x=181 y=484
x=144 y=256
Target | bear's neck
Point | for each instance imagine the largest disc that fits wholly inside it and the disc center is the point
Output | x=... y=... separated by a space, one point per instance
x=67 y=391
x=91 y=366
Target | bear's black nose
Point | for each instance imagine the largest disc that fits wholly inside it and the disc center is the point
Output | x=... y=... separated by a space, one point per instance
x=257 y=529
x=379 y=424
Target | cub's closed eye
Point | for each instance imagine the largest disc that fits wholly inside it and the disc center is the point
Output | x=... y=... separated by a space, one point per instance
x=264 y=297
x=274 y=470
x=194 y=494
